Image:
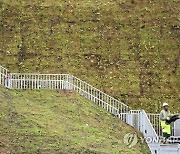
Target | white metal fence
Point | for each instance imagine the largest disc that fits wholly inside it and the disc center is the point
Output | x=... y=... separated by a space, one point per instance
x=150 y=133
x=68 y=82
x=148 y=124
x=139 y=120
x=38 y=81
x=107 y=102
x=4 y=76
x=155 y=120
x=134 y=119
x=147 y=127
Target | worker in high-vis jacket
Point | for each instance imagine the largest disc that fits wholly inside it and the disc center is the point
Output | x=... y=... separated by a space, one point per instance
x=166 y=127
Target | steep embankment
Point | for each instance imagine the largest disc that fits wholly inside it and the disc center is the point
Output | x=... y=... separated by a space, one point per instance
x=129 y=49
x=59 y=122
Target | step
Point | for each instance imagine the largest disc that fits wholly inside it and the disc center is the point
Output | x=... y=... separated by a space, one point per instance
x=170 y=148
x=165 y=148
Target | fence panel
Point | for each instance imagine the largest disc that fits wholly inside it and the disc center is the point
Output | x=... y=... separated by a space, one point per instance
x=147 y=127
x=155 y=120
x=149 y=133
x=39 y=81
x=124 y=117
x=134 y=118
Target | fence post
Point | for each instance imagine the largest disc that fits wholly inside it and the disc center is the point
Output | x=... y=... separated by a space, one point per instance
x=141 y=121
x=130 y=118
x=9 y=81
x=68 y=82
x=71 y=82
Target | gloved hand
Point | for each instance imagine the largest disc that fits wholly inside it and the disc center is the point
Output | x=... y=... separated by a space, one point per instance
x=168 y=118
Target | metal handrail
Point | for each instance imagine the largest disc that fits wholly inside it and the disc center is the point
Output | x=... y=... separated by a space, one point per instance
x=90 y=90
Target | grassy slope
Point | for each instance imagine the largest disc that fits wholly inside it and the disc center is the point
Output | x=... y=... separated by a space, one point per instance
x=132 y=46
x=59 y=122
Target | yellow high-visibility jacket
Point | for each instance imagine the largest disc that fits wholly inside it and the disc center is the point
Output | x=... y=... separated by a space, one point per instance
x=163 y=116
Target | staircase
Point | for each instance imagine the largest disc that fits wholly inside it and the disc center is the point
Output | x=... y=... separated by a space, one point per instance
x=147 y=123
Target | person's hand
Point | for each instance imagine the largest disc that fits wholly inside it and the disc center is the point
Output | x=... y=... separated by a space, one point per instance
x=168 y=118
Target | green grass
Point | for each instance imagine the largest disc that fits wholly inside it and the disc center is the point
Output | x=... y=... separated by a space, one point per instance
x=114 y=45
x=43 y=121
